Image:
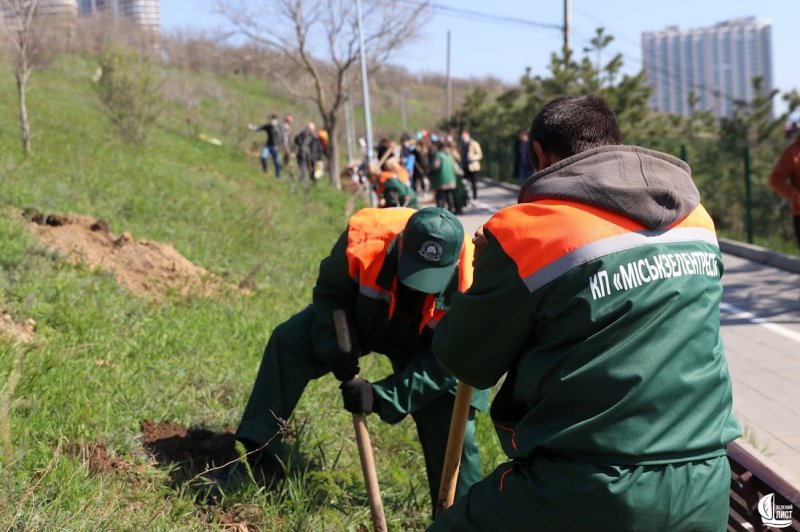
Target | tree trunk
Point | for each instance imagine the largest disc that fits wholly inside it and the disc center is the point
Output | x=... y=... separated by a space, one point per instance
x=333 y=153
x=22 y=86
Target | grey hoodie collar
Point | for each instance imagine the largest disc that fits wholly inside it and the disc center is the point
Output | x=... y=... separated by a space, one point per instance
x=650 y=187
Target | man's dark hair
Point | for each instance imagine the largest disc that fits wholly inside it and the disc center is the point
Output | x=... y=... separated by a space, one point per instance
x=572 y=124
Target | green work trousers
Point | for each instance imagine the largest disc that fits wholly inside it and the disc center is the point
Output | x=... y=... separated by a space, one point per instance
x=557 y=494
x=290 y=362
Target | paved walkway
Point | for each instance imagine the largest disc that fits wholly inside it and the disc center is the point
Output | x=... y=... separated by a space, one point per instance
x=760 y=319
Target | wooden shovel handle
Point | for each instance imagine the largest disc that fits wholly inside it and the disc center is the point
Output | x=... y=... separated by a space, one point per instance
x=455 y=444
x=362 y=436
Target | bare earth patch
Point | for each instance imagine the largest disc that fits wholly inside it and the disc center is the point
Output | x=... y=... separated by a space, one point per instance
x=194 y=449
x=99 y=461
x=98 y=458
x=21 y=332
x=146 y=268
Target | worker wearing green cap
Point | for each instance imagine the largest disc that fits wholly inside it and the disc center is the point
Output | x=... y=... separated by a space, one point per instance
x=398 y=194
x=394 y=272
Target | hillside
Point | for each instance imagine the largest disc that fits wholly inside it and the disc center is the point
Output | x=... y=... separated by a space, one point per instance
x=113 y=400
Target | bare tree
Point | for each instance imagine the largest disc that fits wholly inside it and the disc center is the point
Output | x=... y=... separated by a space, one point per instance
x=19 y=16
x=320 y=39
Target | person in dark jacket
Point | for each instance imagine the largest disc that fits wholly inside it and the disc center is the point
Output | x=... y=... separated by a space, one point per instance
x=597 y=296
x=522 y=162
x=394 y=272
x=272 y=144
x=309 y=151
x=422 y=163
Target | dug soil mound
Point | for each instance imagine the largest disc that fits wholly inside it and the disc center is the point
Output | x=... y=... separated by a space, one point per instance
x=98 y=458
x=148 y=269
x=192 y=449
x=20 y=332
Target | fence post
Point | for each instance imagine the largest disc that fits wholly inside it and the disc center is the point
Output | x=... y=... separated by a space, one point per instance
x=748 y=196
x=487 y=155
x=683 y=153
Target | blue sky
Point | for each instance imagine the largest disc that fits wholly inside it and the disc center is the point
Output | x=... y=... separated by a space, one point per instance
x=504 y=50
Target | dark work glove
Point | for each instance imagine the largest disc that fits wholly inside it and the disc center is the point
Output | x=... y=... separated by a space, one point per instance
x=344 y=365
x=358 y=396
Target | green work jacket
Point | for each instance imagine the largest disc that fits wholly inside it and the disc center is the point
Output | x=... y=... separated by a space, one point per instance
x=598 y=297
x=344 y=283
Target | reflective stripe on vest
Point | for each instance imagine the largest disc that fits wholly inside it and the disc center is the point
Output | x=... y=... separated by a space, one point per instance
x=375 y=294
x=560 y=235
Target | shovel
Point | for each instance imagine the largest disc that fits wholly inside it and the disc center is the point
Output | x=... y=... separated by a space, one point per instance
x=455 y=444
x=362 y=436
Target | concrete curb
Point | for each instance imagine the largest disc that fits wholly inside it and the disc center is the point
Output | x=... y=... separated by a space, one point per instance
x=733 y=247
x=502 y=184
x=760 y=255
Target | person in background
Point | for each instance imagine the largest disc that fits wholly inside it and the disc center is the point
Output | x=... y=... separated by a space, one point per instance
x=460 y=194
x=392 y=168
x=309 y=151
x=385 y=150
x=443 y=177
x=408 y=157
x=422 y=162
x=597 y=297
x=471 y=157
x=398 y=194
x=785 y=178
x=272 y=144
x=324 y=141
x=522 y=162
x=286 y=141
x=390 y=171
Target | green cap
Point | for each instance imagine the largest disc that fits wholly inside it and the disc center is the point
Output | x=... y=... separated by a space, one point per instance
x=394 y=191
x=432 y=242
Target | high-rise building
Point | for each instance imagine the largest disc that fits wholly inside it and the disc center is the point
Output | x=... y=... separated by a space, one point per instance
x=56 y=15
x=717 y=65
x=145 y=13
x=57 y=8
x=87 y=7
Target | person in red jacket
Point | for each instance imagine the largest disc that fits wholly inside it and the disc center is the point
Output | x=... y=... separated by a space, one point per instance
x=785 y=178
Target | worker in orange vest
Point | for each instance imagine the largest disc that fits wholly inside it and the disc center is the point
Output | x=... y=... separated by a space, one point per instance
x=394 y=272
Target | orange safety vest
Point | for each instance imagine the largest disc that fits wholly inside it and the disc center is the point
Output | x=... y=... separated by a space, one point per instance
x=385 y=175
x=370 y=232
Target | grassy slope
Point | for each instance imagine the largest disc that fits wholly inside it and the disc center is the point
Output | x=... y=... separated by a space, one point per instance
x=190 y=362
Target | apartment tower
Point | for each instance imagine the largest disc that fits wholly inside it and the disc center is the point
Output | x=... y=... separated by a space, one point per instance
x=145 y=13
x=716 y=64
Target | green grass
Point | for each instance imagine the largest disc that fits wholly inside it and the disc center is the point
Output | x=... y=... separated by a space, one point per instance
x=188 y=361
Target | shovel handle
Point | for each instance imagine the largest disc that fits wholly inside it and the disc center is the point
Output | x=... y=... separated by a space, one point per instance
x=455 y=445
x=362 y=437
